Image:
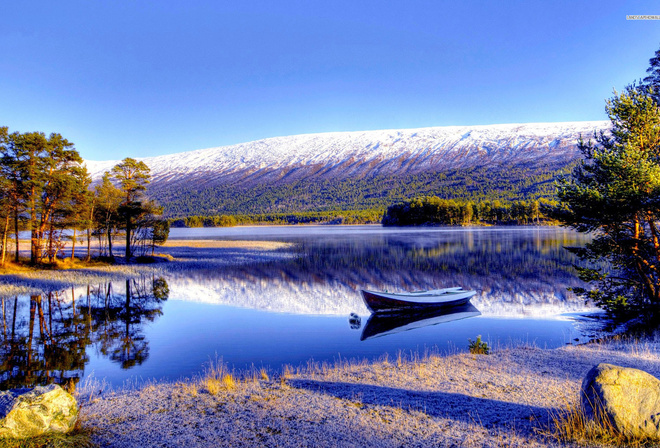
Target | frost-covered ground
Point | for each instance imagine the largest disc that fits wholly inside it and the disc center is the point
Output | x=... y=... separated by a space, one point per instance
x=504 y=399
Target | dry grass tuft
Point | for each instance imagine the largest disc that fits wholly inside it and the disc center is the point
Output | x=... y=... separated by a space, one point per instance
x=287 y=372
x=229 y=382
x=264 y=375
x=573 y=426
x=216 y=377
x=10 y=267
x=212 y=385
x=188 y=388
x=24 y=266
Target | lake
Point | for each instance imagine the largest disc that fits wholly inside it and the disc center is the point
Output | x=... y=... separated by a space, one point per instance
x=256 y=308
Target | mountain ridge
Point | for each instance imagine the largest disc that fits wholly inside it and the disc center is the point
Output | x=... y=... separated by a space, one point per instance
x=345 y=157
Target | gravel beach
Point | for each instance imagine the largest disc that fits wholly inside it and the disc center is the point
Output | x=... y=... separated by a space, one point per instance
x=505 y=399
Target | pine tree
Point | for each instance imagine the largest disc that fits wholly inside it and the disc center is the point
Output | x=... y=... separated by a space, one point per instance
x=106 y=213
x=5 y=198
x=79 y=208
x=61 y=179
x=133 y=177
x=652 y=82
x=615 y=193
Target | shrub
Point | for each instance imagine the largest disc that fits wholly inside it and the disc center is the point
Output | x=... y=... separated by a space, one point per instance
x=478 y=347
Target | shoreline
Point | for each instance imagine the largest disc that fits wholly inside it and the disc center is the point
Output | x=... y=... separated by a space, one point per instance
x=175 y=253
x=507 y=398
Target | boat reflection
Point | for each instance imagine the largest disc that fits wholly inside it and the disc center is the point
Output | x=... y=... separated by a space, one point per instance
x=386 y=324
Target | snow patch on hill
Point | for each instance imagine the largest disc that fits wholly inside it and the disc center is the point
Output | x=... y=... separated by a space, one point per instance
x=385 y=150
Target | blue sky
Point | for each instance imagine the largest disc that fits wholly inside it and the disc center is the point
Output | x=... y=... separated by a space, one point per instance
x=141 y=78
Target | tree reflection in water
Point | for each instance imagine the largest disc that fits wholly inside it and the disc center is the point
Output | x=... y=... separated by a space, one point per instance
x=515 y=271
x=45 y=338
x=508 y=261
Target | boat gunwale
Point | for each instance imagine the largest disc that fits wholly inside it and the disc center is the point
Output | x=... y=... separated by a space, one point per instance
x=387 y=302
x=411 y=297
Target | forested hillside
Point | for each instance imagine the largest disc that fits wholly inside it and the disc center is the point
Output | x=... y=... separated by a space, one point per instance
x=508 y=183
x=366 y=170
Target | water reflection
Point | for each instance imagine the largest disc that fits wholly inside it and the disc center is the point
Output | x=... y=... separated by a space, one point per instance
x=517 y=272
x=308 y=290
x=46 y=338
x=387 y=324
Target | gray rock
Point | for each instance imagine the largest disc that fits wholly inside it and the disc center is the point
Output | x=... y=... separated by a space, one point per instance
x=32 y=412
x=629 y=398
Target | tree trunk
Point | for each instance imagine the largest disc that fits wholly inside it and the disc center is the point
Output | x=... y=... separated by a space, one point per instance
x=128 y=238
x=89 y=244
x=5 y=232
x=73 y=244
x=34 y=242
x=109 y=234
x=655 y=237
x=16 y=233
x=89 y=233
x=51 y=252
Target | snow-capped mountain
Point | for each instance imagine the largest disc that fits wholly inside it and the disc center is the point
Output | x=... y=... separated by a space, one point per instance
x=339 y=156
x=359 y=153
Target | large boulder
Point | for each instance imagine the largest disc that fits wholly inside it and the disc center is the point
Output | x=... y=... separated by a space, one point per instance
x=629 y=398
x=33 y=412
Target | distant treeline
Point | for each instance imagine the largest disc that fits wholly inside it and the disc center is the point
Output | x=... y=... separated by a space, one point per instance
x=431 y=210
x=204 y=221
x=423 y=210
x=332 y=217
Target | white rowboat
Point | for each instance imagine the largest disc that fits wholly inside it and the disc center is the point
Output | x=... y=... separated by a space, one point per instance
x=379 y=302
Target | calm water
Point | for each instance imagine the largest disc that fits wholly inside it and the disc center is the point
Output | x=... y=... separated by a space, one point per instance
x=293 y=304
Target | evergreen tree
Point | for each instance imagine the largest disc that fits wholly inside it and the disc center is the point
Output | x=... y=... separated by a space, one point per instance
x=5 y=216
x=615 y=193
x=24 y=155
x=62 y=176
x=108 y=198
x=39 y=171
x=133 y=177
x=79 y=209
x=652 y=82
x=41 y=180
x=5 y=198
x=160 y=233
x=9 y=172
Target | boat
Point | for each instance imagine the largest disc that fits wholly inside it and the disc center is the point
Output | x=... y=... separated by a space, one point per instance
x=383 y=324
x=384 y=302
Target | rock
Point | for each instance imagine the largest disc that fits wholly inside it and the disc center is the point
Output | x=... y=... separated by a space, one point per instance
x=630 y=398
x=33 y=412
